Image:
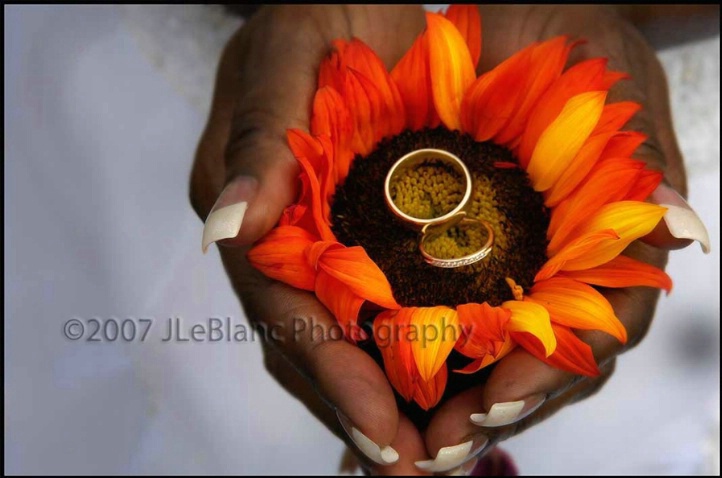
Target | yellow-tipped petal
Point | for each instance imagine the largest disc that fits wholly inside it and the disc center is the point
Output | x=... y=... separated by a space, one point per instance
x=533 y=319
x=629 y=219
x=437 y=330
x=574 y=304
x=562 y=140
x=451 y=68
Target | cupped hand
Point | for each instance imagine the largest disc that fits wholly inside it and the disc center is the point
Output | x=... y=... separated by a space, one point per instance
x=522 y=390
x=265 y=84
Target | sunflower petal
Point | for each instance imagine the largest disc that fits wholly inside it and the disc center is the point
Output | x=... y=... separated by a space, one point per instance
x=507 y=346
x=584 y=77
x=467 y=20
x=332 y=118
x=353 y=267
x=546 y=62
x=562 y=140
x=577 y=305
x=428 y=393
x=533 y=319
x=583 y=247
x=437 y=330
x=623 y=144
x=629 y=219
x=609 y=181
x=411 y=75
x=450 y=66
x=343 y=303
x=616 y=115
x=646 y=184
x=280 y=255
x=483 y=329
x=623 y=271
x=390 y=334
x=571 y=353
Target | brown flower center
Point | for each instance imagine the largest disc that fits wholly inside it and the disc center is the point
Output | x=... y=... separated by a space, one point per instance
x=502 y=196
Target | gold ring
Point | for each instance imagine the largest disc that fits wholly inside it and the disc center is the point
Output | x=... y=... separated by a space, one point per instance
x=415 y=159
x=435 y=230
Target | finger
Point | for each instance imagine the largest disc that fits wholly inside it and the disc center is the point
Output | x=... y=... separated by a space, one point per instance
x=411 y=448
x=344 y=376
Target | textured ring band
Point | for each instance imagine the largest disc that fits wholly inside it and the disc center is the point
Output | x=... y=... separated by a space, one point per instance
x=476 y=256
x=415 y=159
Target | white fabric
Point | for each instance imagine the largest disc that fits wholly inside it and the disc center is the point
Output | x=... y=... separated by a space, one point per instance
x=102 y=113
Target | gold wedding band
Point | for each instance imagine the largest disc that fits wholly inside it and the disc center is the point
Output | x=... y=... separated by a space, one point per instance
x=431 y=231
x=418 y=158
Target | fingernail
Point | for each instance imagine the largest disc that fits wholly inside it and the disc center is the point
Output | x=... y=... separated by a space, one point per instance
x=377 y=454
x=226 y=217
x=681 y=220
x=465 y=469
x=451 y=457
x=504 y=413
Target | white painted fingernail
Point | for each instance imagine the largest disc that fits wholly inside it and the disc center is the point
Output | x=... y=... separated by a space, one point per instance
x=383 y=456
x=505 y=413
x=452 y=457
x=226 y=217
x=681 y=220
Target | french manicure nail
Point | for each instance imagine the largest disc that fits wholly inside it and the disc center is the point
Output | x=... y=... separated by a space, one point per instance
x=504 y=413
x=681 y=220
x=226 y=217
x=451 y=457
x=377 y=454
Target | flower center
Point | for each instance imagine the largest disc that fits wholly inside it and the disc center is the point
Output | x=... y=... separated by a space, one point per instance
x=502 y=196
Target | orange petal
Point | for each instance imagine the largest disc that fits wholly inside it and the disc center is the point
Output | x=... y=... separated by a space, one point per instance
x=609 y=181
x=353 y=267
x=623 y=144
x=532 y=319
x=645 y=185
x=450 y=67
x=483 y=329
x=629 y=219
x=428 y=393
x=363 y=103
x=491 y=101
x=583 y=77
x=507 y=346
x=616 y=115
x=563 y=139
x=582 y=247
x=623 y=271
x=577 y=305
x=577 y=169
x=332 y=118
x=411 y=75
x=343 y=303
x=547 y=61
x=467 y=20
x=280 y=255
x=390 y=334
x=571 y=353
x=437 y=332
x=315 y=168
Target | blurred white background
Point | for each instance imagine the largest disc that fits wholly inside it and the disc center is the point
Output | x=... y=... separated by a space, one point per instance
x=103 y=108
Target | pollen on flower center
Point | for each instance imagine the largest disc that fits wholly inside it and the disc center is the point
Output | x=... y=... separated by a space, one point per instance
x=502 y=196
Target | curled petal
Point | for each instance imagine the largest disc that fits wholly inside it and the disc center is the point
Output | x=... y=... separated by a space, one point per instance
x=437 y=332
x=532 y=319
x=353 y=267
x=343 y=303
x=571 y=353
x=450 y=66
x=629 y=219
x=623 y=271
x=429 y=392
x=280 y=255
x=483 y=329
x=578 y=306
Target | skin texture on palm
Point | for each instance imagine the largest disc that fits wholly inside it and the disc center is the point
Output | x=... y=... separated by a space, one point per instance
x=264 y=87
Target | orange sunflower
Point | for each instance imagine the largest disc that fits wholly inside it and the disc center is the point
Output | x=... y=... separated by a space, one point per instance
x=556 y=182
